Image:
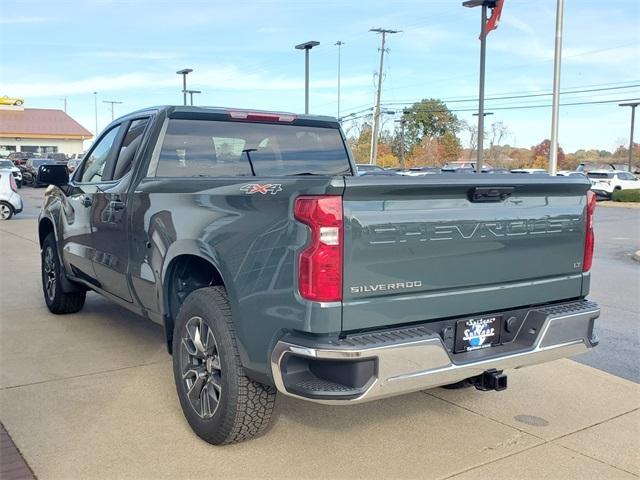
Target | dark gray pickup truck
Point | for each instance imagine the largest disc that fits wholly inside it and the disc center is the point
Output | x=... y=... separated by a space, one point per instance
x=274 y=267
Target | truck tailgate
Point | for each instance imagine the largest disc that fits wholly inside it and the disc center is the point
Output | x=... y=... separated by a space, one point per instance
x=422 y=248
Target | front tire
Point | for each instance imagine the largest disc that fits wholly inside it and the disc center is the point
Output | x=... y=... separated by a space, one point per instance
x=221 y=404
x=58 y=301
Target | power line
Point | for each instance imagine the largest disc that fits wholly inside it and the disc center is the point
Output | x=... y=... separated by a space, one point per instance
x=546 y=94
x=513 y=107
x=520 y=92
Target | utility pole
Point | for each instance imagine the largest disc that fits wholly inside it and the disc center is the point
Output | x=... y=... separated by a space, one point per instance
x=184 y=72
x=306 y=47
x=376 y=112
x=339 y=44
x=95 y=109
x=633 y=106
x=191 y=92
x=112 y=103
x=555 y=108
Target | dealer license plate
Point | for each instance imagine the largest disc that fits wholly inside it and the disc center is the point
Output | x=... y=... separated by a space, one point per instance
x=476 y=333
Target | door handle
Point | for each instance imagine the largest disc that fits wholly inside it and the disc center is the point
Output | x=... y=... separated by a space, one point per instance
x=86 y=201
x=116 y=205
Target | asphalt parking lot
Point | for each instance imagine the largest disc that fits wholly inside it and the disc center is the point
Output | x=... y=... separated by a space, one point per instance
x=91 y=395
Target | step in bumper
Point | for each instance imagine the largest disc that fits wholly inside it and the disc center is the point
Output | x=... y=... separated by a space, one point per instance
x=381 y=364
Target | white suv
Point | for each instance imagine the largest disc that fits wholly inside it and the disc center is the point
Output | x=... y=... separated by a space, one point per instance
x=9 y=165
x=605 y=182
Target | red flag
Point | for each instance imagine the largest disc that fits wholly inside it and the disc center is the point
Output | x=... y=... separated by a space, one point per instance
x=493 y=21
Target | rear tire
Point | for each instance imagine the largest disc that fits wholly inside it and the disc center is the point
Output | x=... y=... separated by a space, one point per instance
x=58 y=301
x=6 y=211
x=221 y=404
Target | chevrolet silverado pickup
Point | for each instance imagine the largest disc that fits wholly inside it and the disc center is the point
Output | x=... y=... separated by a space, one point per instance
x=273 y=267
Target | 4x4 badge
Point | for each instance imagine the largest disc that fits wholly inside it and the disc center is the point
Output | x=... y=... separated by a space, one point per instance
x=251 y=188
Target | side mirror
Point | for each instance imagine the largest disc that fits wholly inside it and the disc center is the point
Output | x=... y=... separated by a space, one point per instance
x=57 y=175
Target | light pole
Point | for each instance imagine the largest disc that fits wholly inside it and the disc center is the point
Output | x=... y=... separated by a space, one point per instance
x=633 y=106
x=486 y=25
x=555 y=108
x=112 y=102
x=339 y=44
x=95 y=109
x=184 y=72
x=306 y=47
x=191 y=92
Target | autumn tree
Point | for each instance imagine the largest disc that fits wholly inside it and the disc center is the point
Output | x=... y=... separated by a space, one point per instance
x=541 y=155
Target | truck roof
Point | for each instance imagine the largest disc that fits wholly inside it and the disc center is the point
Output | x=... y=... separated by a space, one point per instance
x=169 y=109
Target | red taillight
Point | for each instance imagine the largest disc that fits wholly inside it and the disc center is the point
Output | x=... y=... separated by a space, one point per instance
x=12 y=182
x=261 y=116
x=589 y=241
x=320 y=264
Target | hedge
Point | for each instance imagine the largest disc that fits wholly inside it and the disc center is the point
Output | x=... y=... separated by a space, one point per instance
x=626 y=195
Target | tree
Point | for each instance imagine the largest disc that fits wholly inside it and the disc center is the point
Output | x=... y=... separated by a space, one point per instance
x=450 y=147
x=497 y=132
x=472 y=130
x=361 y=145
x=543 y=149
x=428 y=118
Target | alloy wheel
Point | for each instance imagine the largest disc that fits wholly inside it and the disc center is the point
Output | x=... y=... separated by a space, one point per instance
x=50 y=279
x=5 y=211
x=200 y=367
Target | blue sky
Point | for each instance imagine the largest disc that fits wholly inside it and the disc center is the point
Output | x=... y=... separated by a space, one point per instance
x=242 y=55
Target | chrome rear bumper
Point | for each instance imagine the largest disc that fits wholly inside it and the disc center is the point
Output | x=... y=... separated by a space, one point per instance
x=413 y=359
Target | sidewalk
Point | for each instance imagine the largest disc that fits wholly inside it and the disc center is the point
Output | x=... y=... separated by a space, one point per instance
x=91 y=395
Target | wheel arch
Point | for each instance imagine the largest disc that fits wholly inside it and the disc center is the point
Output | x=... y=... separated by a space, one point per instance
x=45 y=227
x=182 y=274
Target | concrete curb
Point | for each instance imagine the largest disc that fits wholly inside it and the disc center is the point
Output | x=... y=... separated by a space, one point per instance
x=612 y=204
x=636 y=256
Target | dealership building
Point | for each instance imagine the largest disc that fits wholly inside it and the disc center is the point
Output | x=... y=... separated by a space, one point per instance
x=40 y=130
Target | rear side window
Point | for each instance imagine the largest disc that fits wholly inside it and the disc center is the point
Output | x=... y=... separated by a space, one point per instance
x=208 y=148
x=599 y=175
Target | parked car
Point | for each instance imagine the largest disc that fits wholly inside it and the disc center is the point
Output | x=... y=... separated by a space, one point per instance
x=530 y=171
x=461 y=165
x=30 y=172
x=419 y=171
x=496 y=171
x=5 y=100
x=10 y=199
x=73 y=163
x=274 y=267
x=60 y=158
x=605 y=182
x=15 y=171
x=570 y=173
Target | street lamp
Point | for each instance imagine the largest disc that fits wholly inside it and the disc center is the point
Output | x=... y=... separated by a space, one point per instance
x=306 y=47
x=483 y=50
x=184 y=72
x=339 y=44
x=633 y=106
x=191 y=92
